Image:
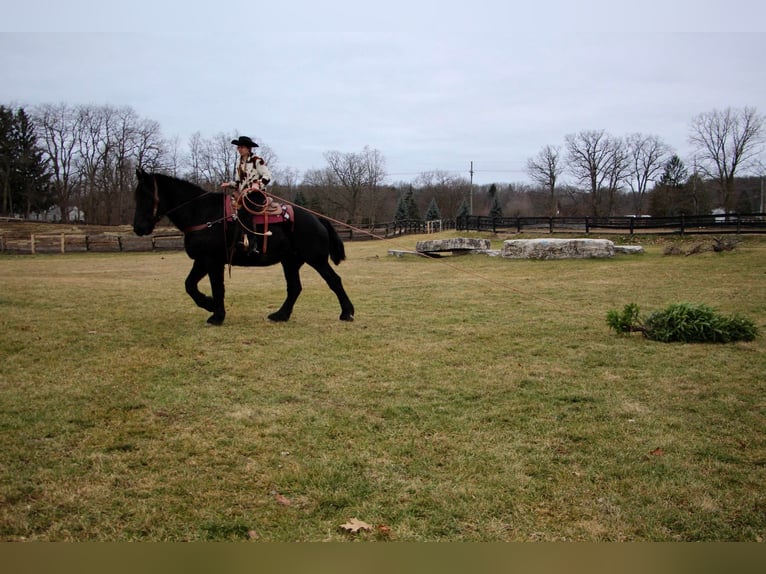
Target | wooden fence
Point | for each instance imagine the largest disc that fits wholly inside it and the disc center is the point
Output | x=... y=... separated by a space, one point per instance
x=698 y=224
x=693 y=224
x=79 y=243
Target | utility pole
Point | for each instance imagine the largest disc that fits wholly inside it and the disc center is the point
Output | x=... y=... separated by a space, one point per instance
x=470 y=192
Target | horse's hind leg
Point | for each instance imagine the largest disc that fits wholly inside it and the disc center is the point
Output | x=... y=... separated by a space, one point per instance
x=334 y=282
x=291 y=270
x=216 y=273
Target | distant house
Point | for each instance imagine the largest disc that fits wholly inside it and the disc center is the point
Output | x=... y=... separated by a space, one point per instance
x=718 y=211
x=53 y=214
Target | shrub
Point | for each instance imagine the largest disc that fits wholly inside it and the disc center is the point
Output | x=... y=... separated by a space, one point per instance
x=683 y=322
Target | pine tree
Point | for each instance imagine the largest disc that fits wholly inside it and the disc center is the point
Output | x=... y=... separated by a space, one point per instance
x=31 y=177
x=496 y=210
x=300 y=198
x=433 y=212
x=23 y=177
x=463 y=210
x=401 y=209
x=410 y=206
x=7 y=158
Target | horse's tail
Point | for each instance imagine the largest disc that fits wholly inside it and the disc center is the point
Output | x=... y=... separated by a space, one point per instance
x=337 y=249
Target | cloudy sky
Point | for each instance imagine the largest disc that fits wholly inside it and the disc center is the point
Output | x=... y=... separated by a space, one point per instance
x=431 y=84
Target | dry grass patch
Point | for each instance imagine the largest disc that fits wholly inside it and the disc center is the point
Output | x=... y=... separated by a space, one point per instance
x=472 y=399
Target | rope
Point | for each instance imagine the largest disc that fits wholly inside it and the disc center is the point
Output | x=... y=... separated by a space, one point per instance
x=484 y=278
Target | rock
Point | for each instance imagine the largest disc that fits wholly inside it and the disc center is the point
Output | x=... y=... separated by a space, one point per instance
x=557 y=248
x=489 y=252
x=459 y=244
x=629 y=249
x=403 y=252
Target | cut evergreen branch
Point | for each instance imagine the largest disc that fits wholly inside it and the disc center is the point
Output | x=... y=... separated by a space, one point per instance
x=685 y=323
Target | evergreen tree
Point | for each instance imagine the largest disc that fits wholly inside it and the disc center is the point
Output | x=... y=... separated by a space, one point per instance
x=411 y=208
x=300 y=198
x=23 y=175
x=677 y=193
x=495 y=210
x=675 y=173
x=433 y=212
x=463 y=210
x=32 y=178
x=7 y=158
x=401 y=209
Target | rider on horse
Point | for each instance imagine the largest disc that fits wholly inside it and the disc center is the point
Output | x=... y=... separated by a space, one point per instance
x=252 y=177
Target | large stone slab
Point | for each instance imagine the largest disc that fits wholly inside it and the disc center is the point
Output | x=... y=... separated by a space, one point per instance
x=456 y=244
x=629 y=249
x=557 y=248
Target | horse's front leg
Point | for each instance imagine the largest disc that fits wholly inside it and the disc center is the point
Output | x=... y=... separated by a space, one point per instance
x=198 y=271
x=214 y=304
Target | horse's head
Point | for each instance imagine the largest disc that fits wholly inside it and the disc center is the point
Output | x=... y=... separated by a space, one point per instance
x=147 y=203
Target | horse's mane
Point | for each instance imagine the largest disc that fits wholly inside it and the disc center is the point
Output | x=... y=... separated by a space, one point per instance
x=185 y=187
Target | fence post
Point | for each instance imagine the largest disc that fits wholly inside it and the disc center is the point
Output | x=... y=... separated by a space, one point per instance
x=550 y=225
x=683 y=224
x=632 y=219
x=62 y=243
x=32 y=243
x=587 y=225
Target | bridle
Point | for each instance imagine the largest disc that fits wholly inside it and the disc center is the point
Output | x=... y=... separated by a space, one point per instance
x=156 y=206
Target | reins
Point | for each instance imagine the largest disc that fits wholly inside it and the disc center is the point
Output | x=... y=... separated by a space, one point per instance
x=156 y=205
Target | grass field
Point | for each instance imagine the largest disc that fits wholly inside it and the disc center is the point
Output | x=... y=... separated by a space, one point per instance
x=473 y=399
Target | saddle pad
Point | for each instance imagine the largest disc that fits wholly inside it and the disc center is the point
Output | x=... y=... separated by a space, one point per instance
x=285 y=215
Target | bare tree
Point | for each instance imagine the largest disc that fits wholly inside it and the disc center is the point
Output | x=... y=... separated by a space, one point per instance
x=59 y=128
x=545 y=169
x=214 y=160
x=360 y=175
x=112 y=142
x=172 y=158
x=194 y=158
x=322 y=188
x=449 y=191
x=648 y=155
x=600 y=162
x=285 y=181
x=726 y=142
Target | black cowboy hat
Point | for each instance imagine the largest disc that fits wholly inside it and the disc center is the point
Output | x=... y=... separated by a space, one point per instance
x=244 y=141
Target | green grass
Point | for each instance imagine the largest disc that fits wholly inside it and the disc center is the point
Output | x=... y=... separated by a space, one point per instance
x=473 y=398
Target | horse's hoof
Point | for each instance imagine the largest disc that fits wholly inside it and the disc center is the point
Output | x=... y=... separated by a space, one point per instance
x=217 y=321
x=349 y=317
x=278 y=318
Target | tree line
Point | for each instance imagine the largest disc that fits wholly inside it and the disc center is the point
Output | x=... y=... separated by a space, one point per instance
x=78 y=163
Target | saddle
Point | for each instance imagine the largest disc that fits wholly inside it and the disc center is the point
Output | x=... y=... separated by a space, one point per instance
x=270 y=212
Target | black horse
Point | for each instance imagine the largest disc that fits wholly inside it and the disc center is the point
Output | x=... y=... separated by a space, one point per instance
x=211 y=240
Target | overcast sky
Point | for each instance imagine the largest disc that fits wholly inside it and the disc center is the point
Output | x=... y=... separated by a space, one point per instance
x=431 y=84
